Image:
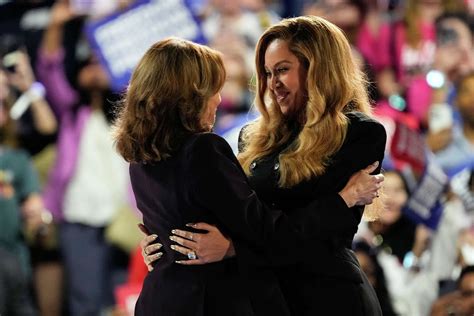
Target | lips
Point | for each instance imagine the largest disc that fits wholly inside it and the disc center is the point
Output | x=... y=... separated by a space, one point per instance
x=281 y=96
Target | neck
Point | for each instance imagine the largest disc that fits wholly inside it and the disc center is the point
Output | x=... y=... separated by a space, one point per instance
x=96 y=100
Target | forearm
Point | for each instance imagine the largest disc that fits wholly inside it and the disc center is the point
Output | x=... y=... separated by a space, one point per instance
x=43 y=118
x=52 y=39
x=50 y=70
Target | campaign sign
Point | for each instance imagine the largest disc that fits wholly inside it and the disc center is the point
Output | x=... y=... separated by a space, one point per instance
x=425 y=203
x=462 y=183
x=120 y=40
x=408 y=147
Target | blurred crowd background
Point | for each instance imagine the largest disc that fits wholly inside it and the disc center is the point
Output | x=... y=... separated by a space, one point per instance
x=68 y=235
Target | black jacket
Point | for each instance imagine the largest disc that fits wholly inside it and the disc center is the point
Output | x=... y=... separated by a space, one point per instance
x=327 y=280
x=203 y=181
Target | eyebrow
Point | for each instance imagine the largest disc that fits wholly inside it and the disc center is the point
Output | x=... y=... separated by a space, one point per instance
x=280 y=62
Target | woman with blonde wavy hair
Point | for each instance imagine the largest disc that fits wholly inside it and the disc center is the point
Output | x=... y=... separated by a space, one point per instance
x=314 y=133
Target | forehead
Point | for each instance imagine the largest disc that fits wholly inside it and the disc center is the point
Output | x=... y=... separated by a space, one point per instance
x=278 y=51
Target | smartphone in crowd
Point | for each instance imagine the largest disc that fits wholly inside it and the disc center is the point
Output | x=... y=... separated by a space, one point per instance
x=10 y=60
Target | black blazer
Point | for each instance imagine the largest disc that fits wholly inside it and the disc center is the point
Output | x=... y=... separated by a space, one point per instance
x=203 y=181
x=328 y=279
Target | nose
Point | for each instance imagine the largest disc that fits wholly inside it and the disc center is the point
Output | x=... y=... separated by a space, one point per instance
x=274 y=82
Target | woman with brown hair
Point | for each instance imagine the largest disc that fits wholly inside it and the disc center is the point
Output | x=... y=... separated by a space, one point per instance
x=182 y=173
x=314 y=132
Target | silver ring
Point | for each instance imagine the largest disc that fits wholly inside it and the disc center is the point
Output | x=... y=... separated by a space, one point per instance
x=192 y=255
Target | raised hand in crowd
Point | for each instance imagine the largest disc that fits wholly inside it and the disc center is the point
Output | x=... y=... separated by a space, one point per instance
x=61 y=13
x=23 y=79
x=439 y=140
x=422 y=240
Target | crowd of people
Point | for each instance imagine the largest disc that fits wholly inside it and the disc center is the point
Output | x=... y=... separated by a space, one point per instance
x=63 y=185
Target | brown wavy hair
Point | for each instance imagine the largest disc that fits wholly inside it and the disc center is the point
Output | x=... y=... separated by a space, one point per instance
x=334 y=85
x=165 y=100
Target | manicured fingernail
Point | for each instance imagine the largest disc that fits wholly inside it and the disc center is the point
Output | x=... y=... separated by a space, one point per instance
x=173 y=231
x=173 y=238
x=158 y=255
x=173 y=247
x=179 y=261
x=154 y=237
x=158 y=246
x=190 y=224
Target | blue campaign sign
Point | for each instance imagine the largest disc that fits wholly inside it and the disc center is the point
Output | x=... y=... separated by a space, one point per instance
x=120 y=40
x=425 y=203
x=462 y=183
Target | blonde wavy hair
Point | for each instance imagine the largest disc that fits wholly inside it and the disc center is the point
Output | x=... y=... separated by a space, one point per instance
x=334 y=85
x=166 y=98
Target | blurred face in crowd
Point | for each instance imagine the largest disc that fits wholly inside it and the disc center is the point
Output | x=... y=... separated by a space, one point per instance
x=343 y=13
x=396 y=196
x=93 y=76
x=209 y=116
x=234 y=89
x=228 y=7
x=286 y=78
x=462 y=42
x=465 y=100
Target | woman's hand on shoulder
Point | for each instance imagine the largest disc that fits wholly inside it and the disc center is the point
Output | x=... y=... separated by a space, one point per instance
x=202 y=248
x=362 y=188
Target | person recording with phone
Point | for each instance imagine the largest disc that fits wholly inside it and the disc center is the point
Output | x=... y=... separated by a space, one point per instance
x=26 y=104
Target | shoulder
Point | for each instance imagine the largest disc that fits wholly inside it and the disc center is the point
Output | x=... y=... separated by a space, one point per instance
x=362 y=124
x=205 y=140
x=207 y=145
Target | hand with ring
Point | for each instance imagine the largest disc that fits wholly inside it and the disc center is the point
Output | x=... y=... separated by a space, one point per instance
x=200 y=248
x=149 y=248
x=363 y=187
x=192 y=255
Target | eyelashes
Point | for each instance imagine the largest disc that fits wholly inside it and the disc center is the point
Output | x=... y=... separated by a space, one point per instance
x=279 y=70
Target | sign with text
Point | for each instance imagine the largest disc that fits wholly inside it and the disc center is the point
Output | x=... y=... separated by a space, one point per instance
x=425 y=203
x=120 y=40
